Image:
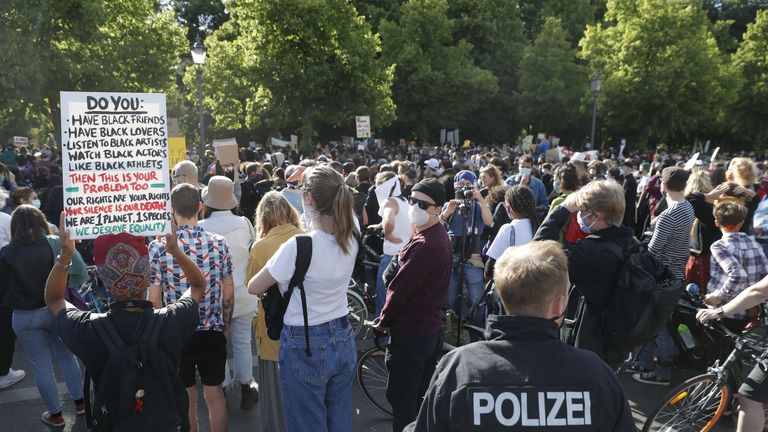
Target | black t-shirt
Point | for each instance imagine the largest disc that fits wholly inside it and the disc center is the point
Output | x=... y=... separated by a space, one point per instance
x=703 y=212
x=76 y=331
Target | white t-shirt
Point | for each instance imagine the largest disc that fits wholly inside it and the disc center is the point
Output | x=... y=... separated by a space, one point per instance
x=326 y=281
x=516 y=233
x=5 y=229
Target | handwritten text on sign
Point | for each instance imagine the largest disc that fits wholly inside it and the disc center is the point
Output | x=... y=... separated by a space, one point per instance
x=115 y=162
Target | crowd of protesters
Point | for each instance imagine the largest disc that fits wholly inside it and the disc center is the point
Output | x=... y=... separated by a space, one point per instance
x=453 y=219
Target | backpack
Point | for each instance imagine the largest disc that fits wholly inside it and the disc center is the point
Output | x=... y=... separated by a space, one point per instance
x=275 y=304
x=645 y=296
x=140 y=388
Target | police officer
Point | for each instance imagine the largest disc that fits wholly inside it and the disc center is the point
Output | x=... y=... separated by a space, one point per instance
x=524 y=377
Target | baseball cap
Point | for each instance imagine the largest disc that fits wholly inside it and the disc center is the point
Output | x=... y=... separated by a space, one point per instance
x=433 y=164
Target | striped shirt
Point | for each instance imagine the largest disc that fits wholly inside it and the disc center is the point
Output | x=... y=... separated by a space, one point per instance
x=671 y=241
x=737 y=262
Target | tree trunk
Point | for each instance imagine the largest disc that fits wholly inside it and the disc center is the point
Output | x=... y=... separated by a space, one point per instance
x=306 y=132
x=55 y=110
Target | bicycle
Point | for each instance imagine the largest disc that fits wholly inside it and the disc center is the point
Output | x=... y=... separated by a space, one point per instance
x=371 y=374
x=698 y=403
x=359 y=298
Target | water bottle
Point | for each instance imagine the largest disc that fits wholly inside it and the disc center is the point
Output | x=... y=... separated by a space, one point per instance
x=686 y=336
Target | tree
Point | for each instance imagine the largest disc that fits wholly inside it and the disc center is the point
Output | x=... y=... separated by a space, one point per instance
x=494 y=30
x=663 y=75
x=200 y=17
x=278 y=62
x=552 y=83
x=750 y=110
x=437 y=83
x=87 y=45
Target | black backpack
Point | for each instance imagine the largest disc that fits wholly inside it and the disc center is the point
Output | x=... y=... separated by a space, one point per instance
x=646 y=293
x=140 y=388
x=275 y=304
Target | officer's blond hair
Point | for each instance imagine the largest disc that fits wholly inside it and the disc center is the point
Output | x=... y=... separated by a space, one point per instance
x=529 y=277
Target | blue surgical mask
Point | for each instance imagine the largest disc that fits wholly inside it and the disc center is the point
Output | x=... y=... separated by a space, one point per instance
x=525 y=171
x=584 y=227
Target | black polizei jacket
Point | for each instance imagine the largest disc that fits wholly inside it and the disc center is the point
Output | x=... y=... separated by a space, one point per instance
x=523 y=378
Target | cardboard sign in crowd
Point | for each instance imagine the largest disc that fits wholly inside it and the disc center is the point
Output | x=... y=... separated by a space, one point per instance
x=116 y=176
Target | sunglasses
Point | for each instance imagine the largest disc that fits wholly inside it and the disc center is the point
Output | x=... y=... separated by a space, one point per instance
x=422 y=204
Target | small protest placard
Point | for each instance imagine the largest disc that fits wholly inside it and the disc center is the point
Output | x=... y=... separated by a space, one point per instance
x=363 y=126
x=115 y=163
x=20 y=141
x=226 y=151
x=177 y=151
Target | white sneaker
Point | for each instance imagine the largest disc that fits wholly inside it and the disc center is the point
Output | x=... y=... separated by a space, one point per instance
x=12 y=378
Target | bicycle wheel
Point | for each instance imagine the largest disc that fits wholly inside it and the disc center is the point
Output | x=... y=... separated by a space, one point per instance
x=693 y=406
x=358 y=312
x=372 y=376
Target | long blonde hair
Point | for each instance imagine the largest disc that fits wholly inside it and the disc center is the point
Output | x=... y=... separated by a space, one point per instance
x=332 y=198
x=274 y=210
x=698 y=182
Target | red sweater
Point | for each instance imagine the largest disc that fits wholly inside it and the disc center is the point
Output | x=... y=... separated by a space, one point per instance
x=416 y=295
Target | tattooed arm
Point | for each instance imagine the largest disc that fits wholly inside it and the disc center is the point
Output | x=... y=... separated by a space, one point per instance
x=227 y=302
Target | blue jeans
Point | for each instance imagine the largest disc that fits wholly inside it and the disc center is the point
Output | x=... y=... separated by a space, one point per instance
x=241 y=335
x=381 y=290
x=317 y=389
x=39 y=338
x=473 y=279
x=665 y=350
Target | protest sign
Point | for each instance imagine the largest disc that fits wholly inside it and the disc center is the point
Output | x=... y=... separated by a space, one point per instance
x=691 y=162
x=20 y=141
x=363 y=126
x=226 y=151
x=177 y=151
x=714 y=154
x=115 y=164
x=279 y=143
x=294 y=142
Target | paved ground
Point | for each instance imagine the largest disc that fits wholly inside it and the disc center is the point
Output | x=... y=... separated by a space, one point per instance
x=21 y=406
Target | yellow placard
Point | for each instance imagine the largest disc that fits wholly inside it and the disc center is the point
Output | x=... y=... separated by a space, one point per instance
x=177 y=151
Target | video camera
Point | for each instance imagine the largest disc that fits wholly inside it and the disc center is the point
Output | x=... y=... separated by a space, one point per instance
x=466 y=194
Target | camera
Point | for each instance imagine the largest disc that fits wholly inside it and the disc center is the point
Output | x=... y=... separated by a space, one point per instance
x=465 y=193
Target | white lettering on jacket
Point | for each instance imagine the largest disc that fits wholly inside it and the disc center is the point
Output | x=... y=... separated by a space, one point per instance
x=551 y=408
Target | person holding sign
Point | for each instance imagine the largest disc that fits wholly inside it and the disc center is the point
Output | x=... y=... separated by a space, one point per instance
x=206 y=351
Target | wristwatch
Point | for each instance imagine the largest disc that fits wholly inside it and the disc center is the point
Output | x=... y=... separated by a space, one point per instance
x=720 y=312
x=61 y=264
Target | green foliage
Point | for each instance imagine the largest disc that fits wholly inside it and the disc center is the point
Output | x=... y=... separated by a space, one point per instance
x=495 y=31
x=750 y=111
x=437 y=83
x=552 y=83
x=50 y=46
x=278 y=62
x=200 y=17
x=664 y=78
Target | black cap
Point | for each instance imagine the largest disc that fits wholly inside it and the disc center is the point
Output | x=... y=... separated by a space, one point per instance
x=433 y=189
x=348 y=167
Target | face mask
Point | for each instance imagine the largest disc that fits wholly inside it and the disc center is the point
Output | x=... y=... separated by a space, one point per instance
x=36 y=203
x=417 y=216
x=310 y=213
x=525 y=171
x=556 y=186
x=584 y=227
x=555 y=319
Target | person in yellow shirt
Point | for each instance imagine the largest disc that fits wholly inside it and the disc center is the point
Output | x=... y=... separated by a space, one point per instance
x=276 y=222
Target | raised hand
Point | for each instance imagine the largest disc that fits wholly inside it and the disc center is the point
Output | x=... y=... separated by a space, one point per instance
x=67 y=244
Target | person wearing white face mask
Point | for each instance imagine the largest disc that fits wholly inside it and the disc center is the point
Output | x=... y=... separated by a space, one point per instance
x=593 y=265
x=413 y=309
x=27 y=196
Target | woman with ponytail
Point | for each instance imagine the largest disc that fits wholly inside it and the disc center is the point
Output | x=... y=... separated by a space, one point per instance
x=316 y=373
x=521 y=208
